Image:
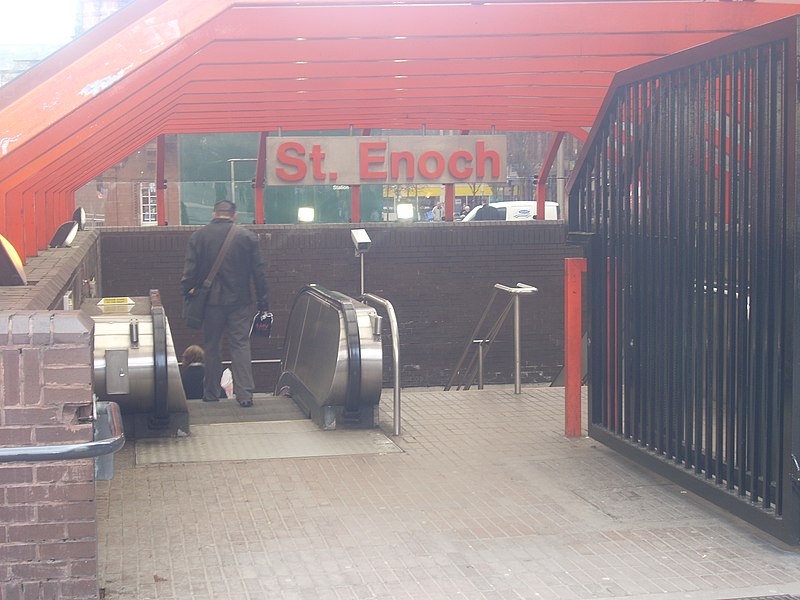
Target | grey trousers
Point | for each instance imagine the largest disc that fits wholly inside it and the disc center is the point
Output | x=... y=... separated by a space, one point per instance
x=235 y=321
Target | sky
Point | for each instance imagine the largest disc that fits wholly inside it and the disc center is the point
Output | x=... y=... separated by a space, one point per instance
x=37 y=21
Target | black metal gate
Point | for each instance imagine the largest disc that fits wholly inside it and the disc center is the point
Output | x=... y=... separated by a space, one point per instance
x=686 y=188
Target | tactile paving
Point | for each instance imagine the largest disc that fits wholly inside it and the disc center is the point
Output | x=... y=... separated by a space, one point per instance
x=261 y=440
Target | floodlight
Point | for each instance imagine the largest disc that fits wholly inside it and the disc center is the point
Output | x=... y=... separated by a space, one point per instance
x=305 y=214
x=64 y=235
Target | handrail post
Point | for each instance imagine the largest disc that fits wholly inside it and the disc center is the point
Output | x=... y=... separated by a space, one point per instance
x=517 y=360
x=521 y=288
x=480 y=362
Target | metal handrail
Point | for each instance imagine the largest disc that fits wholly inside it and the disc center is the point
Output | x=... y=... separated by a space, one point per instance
x=521 y=288
x=395 y=354
x=91 y=449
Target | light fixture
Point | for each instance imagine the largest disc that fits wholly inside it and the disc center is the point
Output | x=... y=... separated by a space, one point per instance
x=11 y=269
x=79 y=216
x=305 y=214
x=64 y=235
x=405 y=212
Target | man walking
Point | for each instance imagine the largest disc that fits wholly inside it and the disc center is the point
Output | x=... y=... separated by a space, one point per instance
x=229 y=299
x=487 y=212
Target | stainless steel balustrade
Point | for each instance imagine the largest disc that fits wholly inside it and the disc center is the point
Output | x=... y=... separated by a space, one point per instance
x=395 y=354
x=333 y=367
x=92 y=449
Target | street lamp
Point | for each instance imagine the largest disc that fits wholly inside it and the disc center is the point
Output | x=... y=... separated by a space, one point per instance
x=233 y=162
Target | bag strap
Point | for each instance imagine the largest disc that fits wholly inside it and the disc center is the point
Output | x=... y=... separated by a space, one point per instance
x=220 y=257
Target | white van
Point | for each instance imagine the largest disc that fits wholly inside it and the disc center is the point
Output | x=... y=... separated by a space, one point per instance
x=519 y=211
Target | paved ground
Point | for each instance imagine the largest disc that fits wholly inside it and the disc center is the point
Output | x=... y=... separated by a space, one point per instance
x=488 y=500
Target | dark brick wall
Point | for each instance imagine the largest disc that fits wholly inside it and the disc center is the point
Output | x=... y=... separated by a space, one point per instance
x=48 y=537
x=439 y=278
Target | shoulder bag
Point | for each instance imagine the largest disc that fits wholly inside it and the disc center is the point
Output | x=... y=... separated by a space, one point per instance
x=194 y=302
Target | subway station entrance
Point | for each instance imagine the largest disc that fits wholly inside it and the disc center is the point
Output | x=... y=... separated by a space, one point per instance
x=683 y=202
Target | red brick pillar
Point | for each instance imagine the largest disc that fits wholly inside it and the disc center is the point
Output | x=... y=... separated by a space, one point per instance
x=48 y=530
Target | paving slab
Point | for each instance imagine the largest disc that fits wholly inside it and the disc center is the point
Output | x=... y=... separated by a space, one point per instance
x=486 y=499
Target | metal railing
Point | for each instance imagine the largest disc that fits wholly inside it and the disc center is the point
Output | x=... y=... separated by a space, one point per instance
x=395 y=354
x=686 y=196
x=91 y=449
x=475 y=365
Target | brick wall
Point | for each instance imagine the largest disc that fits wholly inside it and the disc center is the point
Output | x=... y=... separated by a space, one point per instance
x=53 y=273
x=48 y=539
x=438 y=276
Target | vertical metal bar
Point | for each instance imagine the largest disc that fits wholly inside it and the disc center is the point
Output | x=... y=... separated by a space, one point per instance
x=712 y=280
x=755 y=284
x=635 y=432
x=480 y=364
x=790 y=432
x=517 y=360
x=729 y=391
x=745 y=284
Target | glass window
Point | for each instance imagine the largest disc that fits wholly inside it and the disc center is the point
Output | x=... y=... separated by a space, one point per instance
x=147 y=197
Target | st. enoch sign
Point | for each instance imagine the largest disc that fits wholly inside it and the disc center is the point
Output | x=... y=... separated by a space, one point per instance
x=414 y=159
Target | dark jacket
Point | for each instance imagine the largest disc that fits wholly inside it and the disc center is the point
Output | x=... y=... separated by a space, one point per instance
x=243 y=263
x=487 y=212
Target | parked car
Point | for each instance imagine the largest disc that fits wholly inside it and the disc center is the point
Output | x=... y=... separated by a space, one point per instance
x=519 y=210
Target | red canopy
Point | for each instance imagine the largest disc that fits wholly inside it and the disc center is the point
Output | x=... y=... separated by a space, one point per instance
x=180 y=66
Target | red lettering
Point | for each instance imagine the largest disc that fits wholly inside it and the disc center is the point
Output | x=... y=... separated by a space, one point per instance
x=483 y=156
x=455 y=170
x=365 y=159
x=317 y=156
x=408 y=159
x=291 y=160
x=423 y=164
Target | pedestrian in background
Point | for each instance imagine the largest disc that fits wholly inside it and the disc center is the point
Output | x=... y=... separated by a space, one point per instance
x=487 y=212
x=437 y=212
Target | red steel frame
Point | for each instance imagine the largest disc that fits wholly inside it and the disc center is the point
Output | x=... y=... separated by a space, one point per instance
x=221 y=65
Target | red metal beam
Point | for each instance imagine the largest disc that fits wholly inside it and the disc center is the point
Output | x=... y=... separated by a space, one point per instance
x=547 y=164
x=355 y=204
x=131 y=97
x=161 y=182
x=449 y=201
x=260 y=177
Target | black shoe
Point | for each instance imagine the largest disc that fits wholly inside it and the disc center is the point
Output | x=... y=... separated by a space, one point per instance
x=210 y=399
x=245 y=403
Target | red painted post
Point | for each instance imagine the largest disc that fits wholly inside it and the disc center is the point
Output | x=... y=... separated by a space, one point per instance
x=161 y=183
x=355 y=200
x=544 y=173
x=573 y=331
x=261 y=169
x=449 y=201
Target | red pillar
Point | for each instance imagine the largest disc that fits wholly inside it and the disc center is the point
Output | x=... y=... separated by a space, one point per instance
x=261 y=170
x=161 y=183
x=355 y=200
x=42 y=225
x=449 y=201
x=15 y=228
x=573 y=331
x=541 y=185
x=31 y=216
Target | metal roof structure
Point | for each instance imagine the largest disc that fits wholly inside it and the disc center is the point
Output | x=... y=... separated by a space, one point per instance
x=181 y=66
